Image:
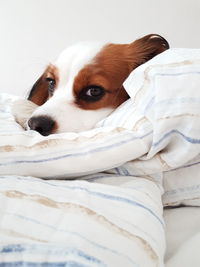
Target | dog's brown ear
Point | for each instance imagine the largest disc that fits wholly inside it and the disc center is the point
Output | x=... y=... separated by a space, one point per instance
x=39 y=92
x=146 y=48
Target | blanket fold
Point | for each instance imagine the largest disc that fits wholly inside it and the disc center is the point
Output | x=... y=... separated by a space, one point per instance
x=87 y=224
x=142 y=157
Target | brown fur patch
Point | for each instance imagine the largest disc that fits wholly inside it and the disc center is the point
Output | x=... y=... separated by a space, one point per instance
x=111 y=66
x=39 y=93
x=107 y=70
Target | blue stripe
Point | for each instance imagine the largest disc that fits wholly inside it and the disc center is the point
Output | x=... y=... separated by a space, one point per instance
x=149 y=104
x=181 y=190
x=117 y=198
x=178 y=100
x=94 y=177
x=41 y=264
x=99 y=246
x=177 y=74
x=185 y=166
x=187 y=138
x=117 y=170
x=49 y=250
x=96 y=150
x=171 y=102
x=125 y=172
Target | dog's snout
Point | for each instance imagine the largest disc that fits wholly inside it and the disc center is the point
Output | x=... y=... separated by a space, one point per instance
x=42 y=124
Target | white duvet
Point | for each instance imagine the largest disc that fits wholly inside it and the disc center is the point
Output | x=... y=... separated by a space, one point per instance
x=144 y=156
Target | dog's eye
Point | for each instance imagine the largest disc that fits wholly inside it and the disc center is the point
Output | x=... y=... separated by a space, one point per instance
x=51 y=85
x=92 y=93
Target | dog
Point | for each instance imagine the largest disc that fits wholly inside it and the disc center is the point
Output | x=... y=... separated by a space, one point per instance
x=85 y=84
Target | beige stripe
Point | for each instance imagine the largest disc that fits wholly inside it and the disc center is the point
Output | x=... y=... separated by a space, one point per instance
x=51 y=143
x=163 y=162
x=81 y=209
x=139 y=123
x=14 y=234
x=179 y=116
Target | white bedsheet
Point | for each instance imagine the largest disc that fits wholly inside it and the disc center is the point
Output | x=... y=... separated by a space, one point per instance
x=141 y=158
x=182 y=237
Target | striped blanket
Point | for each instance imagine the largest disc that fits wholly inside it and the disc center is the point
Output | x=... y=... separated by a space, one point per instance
x=142 y=157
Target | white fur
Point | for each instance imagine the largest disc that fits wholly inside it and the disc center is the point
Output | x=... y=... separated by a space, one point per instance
x=22 y=110
x=61 y=106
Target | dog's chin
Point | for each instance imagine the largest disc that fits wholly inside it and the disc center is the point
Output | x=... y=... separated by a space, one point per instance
x=22 y=110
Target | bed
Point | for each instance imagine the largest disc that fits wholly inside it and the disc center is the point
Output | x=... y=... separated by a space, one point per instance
x=96 y=198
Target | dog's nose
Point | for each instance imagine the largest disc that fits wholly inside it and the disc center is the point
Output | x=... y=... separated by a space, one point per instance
x=42 y=124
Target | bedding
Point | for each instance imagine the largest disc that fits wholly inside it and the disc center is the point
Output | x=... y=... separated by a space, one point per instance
x=144 y=156
x=182 y=236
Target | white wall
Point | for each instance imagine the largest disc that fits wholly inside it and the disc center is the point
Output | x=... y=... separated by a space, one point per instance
x=33 y=32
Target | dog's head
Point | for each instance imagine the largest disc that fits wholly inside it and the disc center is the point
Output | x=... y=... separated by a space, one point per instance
x=85 y=83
